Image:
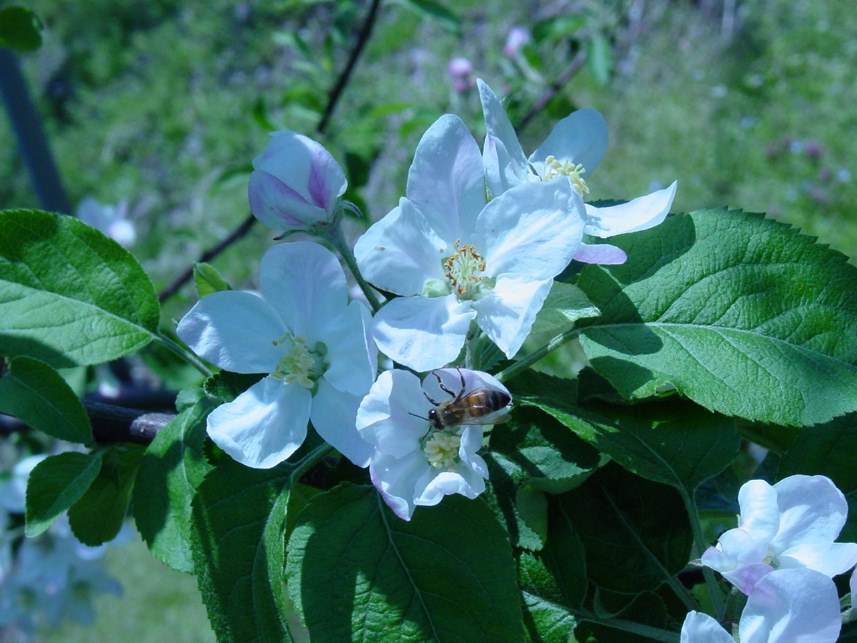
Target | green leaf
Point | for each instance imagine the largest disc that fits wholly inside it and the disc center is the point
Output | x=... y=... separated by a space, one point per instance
x=828 y=449
x=359 y=573
x=237 y=545
x=20 y=29
x=673 y=442
x=69 y=294
x=635 y=532
x=208 y=279
x=37 y=395
x=565 y=304
x=98 y=515
x=435 y=11
x=599 y=58
x=55 y=484
x=170 y=471
x=741 y=314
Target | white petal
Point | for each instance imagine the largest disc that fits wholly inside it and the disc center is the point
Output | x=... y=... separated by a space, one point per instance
x=351 y=352
x=264 y=425
x=791 y=606
x=601 y=253
x=447 y=179
x=701 y=628
x=333 y=415
x=422 y=332
x=532 y=229
x=640 y=214
x=831 y=559
x=395 y=479
x=497 y=125
x=580 y=137
x=233 y=330
x=389 y=417
x=811 y=509
x=501 y=173
x=401 y=252
x=735 y=549
x=452 y=380
x=467 y=477
x=507 y=313
x=305 y=283
x=760 y=515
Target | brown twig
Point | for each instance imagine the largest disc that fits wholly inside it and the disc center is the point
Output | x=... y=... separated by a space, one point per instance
x=553 y=89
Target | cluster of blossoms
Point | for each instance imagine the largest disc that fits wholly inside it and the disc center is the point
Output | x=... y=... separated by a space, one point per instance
x=471 y=250
x=782 y=556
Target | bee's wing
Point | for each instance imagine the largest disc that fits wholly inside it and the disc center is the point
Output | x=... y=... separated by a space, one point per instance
x=495 y=417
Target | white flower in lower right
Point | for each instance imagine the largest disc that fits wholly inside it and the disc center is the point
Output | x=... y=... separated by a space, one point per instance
x=413 y=462
x=786 y=606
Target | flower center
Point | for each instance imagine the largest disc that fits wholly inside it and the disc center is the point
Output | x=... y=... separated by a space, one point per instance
x=464 y=270
x=441 y=449
x=300 y=364
x=554 y=168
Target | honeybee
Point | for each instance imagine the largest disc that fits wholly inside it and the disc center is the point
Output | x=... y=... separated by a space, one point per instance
x=482 y=405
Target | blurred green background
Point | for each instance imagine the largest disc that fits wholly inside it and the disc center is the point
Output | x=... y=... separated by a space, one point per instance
x=749 y=104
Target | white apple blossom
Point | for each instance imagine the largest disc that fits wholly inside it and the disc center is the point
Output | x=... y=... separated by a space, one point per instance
x=786 y=606
x=311 y=343
x=792 y=524
x=413 y=463
x=296 y=184
x=453 y=258
x=574 y=147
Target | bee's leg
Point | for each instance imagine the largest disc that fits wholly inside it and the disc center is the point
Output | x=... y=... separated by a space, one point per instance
x=443 y=387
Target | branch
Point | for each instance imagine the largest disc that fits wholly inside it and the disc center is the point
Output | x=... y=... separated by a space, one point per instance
x=553 y=89
x=332 y=99
x=111 y=424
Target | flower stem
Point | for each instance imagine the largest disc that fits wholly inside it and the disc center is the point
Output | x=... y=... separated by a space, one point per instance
x=310 y=460
x=710 y=581
x=336 y=239
x=654 y=633
x=187 y=356
x=525 y=362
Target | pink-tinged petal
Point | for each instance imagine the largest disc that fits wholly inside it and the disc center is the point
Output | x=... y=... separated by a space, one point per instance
x=499 y=127
x=351 y=352
x=831 y=559
x=811 y=509
x=744 y=578
x=701 y=628
x=580 y=137
x=395 y=477
x=852 y=584
x=402 y=251
x=392 y=417
x=507 y=313
x=602 y=253
x=333 y=415
x=305 y=166
x=305 y=283
x=532 y=229
x=264 y=425
x=760 y=515
x=422 y=332
x=233 y=330
x=279 y=206
x=735 y=548
x=640 y=214
x=791 y=606
x=447 y=179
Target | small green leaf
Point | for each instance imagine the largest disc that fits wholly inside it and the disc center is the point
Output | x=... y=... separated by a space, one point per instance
x=358 y=573
x=599 y=58
x=69 y=294
x=741 y=314
x=55 y=484
x=170 y=471
x=98 y=515
x=237 y=545
x=435 y=11
x=565 y=304
x=37 y=395
x=208 y=279
x=20 y=29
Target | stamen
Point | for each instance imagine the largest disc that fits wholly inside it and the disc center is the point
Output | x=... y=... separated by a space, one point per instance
x=441 y=449
x=554 y=168
x=464 y=270
x=300 y=365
